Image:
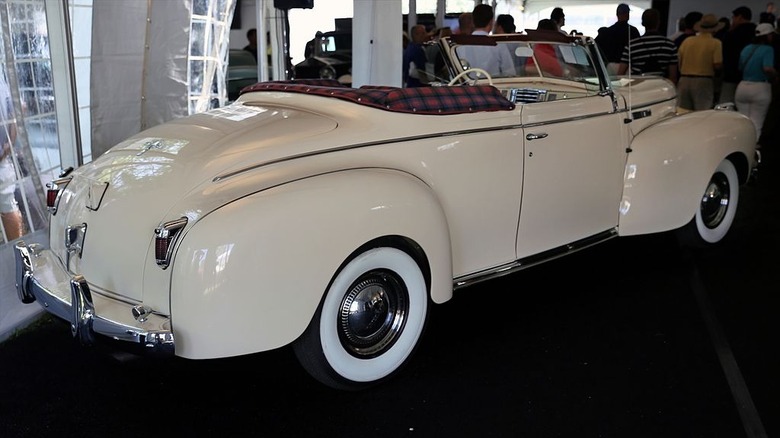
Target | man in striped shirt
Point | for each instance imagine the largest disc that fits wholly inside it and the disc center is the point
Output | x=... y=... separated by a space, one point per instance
x=652 y=53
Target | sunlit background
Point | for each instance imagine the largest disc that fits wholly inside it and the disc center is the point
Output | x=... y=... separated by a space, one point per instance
x=585 y=19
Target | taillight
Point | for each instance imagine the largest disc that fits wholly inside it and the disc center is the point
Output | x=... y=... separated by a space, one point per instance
x=54 y=191
x=165 y=238
x=51 y=197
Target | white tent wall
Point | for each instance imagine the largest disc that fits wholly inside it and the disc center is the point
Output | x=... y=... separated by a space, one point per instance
x=139 y=67
x=165 y=83
x=154 y=61
x=119 y=35
x=376 y=59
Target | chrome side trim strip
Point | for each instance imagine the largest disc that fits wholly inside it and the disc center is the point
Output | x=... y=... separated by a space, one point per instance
x=655 y=102
x=225 y=176
x=510 y=268
x=572 y=119
x=228 y=175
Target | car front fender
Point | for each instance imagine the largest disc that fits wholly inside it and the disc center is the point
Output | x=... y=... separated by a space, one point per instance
x=249 y=276
x=670 y=165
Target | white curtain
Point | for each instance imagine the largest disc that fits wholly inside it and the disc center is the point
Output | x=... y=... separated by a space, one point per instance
x=154 y=61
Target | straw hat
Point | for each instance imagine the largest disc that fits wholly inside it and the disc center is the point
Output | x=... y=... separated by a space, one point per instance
x=708 y=23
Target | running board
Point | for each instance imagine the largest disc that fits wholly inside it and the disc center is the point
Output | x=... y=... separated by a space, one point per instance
x=509 y=268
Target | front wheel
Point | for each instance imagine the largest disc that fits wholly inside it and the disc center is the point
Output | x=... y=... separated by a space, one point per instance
x=369 y=322
x=717 y=208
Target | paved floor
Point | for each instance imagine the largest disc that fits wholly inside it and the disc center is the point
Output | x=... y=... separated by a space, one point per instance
x=634 y=338
x=13 y=314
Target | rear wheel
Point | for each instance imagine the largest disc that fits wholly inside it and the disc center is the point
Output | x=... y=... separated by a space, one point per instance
x=717 y=208
x=369 y=322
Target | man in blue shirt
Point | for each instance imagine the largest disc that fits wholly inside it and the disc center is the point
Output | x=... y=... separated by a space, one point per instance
x=496 y=60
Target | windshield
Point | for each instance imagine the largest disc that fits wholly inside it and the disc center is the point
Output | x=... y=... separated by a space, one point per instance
x=523 y=59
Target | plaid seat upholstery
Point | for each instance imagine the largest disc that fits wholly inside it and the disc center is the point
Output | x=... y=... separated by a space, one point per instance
x=447 y=100
x=422 y=100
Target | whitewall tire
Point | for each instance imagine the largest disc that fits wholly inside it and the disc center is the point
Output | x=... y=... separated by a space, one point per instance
x=717 y=208
x=369 y=322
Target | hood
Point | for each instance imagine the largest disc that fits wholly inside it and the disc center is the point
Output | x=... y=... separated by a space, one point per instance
x=645 y=90
x=124 y=194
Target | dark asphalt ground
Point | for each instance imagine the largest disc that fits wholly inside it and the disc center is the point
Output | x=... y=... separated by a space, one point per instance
x=633 y=338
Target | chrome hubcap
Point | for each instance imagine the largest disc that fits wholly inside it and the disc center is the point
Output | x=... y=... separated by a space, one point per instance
x=372 y=314
x=715 y=202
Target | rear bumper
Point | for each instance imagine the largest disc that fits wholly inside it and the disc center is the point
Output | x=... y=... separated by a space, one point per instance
x=41 y=277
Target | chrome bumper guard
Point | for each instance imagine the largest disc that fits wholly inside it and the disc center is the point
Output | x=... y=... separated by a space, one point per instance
x=150 y=335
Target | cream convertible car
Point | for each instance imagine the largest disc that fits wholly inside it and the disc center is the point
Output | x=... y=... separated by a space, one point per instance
x=331 y=218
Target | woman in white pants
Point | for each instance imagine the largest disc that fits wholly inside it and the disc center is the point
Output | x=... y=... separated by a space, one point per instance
x=754 y=91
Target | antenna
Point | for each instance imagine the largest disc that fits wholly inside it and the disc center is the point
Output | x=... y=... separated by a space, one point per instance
x=630 y=116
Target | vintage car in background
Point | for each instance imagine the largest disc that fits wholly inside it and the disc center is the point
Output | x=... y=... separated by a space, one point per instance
x=330 y=219
x=330 y=58
x=241 y=72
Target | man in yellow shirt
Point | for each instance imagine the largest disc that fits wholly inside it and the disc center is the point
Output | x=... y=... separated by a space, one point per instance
x=701 y=57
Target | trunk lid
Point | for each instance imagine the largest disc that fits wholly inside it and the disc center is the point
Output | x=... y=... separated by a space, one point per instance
x=122 y=196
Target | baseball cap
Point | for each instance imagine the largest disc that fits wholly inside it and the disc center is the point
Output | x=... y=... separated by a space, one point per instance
x=623 y=9
x=764 y=29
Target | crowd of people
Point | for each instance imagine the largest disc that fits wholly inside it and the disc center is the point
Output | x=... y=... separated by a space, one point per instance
x=710 y=59
x=713 y=60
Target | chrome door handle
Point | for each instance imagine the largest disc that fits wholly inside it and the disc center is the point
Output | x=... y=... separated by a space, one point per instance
x=535 y=136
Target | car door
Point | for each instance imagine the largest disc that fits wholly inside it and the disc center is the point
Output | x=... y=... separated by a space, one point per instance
x=573 y=176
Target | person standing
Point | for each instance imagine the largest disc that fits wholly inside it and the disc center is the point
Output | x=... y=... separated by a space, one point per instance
x=740 y=34
x=680 y=29
x=652 y=53
x=559 y=18
x=701 y=57
x=10 y=215
x=414 y=58
x=545 y=54
x=756 y=63
x=616 y=37
x=505 y=23
x=690 y=20
x=251 y=47
x=465 y=24
x=496 y=60
x=311 y=46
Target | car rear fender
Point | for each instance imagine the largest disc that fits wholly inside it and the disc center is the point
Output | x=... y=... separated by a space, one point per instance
x=249 y=276
x=671 y=163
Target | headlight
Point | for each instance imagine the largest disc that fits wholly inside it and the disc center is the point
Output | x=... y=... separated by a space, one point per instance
x=327 y=72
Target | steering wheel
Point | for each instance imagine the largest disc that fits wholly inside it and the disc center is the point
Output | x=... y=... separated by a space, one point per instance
x=477 y=70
